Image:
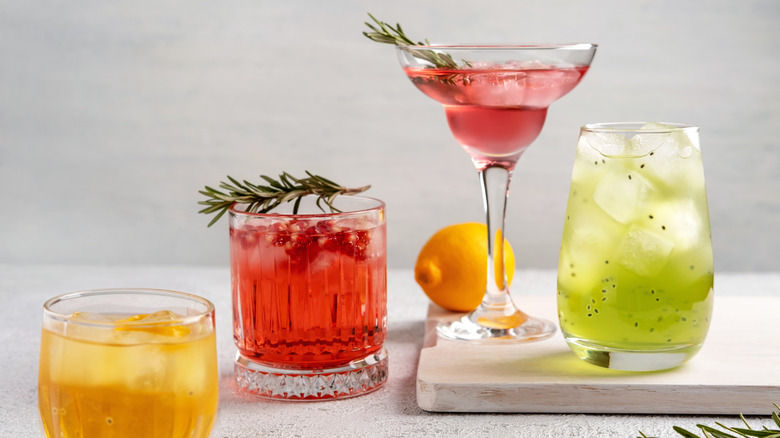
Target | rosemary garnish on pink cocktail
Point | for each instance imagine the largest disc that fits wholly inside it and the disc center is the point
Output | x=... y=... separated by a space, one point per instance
x=387 y=34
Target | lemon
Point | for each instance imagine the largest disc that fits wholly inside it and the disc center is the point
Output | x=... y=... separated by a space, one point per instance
x=452 y=266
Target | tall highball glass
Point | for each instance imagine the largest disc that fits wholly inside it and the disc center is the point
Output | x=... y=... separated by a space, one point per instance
x=635 y=277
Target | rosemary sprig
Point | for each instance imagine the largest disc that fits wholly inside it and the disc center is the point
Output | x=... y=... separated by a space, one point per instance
x=387 y=34
x=711 y=432
x=264 y=198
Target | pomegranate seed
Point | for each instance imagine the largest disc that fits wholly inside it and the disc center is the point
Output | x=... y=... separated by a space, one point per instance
x=294 y=227
x=328 y=227
x=303 y=240
x=328 y=243
x=350 y=239
x=279 y=227
x=300 y=240
x=279 y=239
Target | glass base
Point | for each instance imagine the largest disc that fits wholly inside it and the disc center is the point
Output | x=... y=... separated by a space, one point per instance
x=464 y=329
x=359 y=377
x=632 y=360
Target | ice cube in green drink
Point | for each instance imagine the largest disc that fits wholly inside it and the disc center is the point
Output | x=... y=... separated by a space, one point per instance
x=644 y=251
x=621 y=192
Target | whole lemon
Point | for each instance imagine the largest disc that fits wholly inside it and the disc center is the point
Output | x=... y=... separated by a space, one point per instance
x=452 y=266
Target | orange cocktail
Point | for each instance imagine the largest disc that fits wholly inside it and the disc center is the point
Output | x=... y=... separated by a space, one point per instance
x=128 y=363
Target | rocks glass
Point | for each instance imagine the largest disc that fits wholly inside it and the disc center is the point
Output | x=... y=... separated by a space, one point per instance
x=128 y=363
x=310 y=299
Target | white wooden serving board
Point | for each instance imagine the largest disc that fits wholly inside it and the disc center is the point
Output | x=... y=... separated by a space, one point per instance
x=737 y=370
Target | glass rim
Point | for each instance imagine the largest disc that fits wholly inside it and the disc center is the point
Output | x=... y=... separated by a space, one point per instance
x=184 y=320
x=378 y=205
x=502 y=47
x=634 y=127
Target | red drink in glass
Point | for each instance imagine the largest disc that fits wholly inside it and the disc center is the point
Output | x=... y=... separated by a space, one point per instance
x=495 y=112
x=309 y=300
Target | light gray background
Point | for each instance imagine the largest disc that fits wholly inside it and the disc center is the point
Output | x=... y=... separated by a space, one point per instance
x=114 y=114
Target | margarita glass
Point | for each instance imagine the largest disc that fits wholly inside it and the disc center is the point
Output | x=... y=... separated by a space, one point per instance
x=495 y=98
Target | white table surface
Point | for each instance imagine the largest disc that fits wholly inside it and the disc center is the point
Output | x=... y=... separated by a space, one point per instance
x=391 y=411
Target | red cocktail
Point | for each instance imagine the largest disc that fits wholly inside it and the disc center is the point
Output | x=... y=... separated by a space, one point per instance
x=309 y=299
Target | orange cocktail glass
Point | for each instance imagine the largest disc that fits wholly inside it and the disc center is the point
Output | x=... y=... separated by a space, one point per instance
x=128 y=363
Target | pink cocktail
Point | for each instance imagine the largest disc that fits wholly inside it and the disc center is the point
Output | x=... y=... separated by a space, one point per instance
x=310 y=300
x=496 y=99
x=496 y=111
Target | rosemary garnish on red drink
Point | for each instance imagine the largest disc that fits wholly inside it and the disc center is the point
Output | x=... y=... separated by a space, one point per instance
x=264 y=198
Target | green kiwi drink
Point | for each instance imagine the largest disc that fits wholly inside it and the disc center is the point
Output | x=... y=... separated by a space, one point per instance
x=635 y=275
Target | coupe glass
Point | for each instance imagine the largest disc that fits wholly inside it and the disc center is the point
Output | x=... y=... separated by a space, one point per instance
x=495 y=98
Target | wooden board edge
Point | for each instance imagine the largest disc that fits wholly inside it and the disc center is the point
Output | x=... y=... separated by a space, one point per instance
x=598 y=399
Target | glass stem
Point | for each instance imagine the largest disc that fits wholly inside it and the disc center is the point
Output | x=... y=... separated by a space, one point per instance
x=497 y=302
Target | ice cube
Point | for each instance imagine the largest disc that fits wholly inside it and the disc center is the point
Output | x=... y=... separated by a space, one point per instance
x=161 y=316
x=676 y=163
x=496 y=89
x=589 y=243
x=589 y=240
x=655 y=126
x=148 y=363
x=93 y=317
x=605 y=143
x=642 y=144
x=644 y=251
x=525 y=65
x=321 y=261
x=587 y=234
x=143 y=328
x=89 y=326
x=657 y=136
x=482 y=65
x=680 y=220
x=621 y=192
